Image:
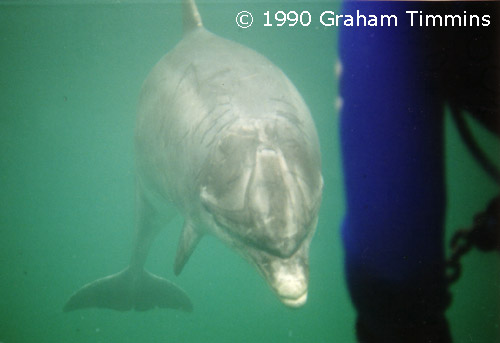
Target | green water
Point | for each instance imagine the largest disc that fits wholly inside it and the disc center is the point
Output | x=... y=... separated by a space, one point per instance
x=70 y=77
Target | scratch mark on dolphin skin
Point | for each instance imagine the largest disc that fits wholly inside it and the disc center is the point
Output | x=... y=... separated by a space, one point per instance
x=218 y=74
x=189 y=71
x=290 y=114
x=292 y=117
x=283 y=101
x=214 y=123
x=229 y=122
x=206 y=116
x=248 y=77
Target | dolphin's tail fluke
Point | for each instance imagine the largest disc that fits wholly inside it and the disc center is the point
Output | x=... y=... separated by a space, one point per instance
x=129 y=290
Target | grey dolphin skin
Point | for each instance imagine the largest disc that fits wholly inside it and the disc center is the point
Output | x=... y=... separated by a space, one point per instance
x=224 y=138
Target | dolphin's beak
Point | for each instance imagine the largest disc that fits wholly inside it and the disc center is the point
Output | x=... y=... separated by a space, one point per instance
x=288 y=277
x=289 y=280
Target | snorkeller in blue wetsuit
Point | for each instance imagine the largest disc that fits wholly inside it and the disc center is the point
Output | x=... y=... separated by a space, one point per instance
x=395 y=84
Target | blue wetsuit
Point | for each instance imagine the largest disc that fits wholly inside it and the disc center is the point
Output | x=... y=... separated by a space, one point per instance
x=392 y=154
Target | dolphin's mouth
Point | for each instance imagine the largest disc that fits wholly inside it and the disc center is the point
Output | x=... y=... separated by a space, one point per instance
x=294 y=302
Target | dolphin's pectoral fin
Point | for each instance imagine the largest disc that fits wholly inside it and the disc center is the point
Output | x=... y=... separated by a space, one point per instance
x=129 y=290
x=187 y=243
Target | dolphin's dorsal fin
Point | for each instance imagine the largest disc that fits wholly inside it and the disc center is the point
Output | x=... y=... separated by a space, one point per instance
x=192 y=18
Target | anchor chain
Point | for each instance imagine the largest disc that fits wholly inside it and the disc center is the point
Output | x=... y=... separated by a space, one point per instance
x=484 y=234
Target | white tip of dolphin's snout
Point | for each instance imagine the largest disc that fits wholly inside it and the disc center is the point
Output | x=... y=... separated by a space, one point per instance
x=296 y=302
x=291 y=288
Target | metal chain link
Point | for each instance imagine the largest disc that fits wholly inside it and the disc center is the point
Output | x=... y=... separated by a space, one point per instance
x=484 y=234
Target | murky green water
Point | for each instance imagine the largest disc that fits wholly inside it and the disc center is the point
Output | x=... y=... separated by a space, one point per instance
x=70 y=77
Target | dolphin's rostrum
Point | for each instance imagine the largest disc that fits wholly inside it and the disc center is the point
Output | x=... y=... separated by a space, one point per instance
x=223 y=136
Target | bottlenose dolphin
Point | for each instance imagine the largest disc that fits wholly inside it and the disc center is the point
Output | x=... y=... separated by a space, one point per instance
x=224 y=137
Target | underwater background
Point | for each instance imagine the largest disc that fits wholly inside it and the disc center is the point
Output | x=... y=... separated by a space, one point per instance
x=70 y=75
